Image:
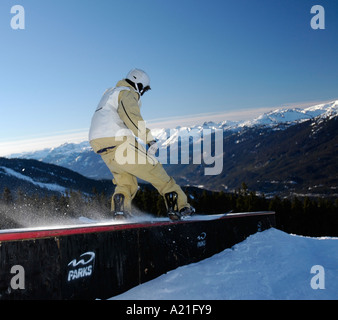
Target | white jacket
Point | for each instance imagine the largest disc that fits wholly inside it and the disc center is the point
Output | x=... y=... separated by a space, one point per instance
x=106 y=122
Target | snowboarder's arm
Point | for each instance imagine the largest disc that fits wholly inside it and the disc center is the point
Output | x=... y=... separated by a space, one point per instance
x=129 y=112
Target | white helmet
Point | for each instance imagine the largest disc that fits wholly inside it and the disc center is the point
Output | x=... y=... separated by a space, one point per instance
x=140 y=79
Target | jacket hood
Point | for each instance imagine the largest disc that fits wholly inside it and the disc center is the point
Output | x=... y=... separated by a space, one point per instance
x=124 y=83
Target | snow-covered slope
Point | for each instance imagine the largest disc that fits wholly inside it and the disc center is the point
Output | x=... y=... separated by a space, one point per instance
x=36 y=177
x=49 y=186
x=267 y=265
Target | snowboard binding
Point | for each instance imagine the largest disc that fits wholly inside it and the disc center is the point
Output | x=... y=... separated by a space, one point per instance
x=172 y=207
x=119 y=212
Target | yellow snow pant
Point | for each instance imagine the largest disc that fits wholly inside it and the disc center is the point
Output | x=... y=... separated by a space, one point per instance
x=128 y=160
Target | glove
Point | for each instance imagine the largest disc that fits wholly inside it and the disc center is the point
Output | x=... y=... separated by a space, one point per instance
x=152 y=148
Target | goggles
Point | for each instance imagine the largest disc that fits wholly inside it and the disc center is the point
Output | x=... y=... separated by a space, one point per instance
x=144 y=90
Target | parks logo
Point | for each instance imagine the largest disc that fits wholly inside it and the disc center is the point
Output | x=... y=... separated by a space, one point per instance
x=81 y=268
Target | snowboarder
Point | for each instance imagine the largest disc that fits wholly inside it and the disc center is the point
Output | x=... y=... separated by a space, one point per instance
x=116 y=124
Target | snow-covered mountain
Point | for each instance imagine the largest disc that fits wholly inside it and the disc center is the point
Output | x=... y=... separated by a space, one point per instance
x=274 y=119
x=241 y=140
x=294 y=116
x=278 y=119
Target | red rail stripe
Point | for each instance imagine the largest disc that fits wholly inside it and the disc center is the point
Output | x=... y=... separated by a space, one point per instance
x=13 y=235
x=38 y=233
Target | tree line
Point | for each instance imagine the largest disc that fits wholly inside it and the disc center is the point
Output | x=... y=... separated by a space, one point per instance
x=299 y=215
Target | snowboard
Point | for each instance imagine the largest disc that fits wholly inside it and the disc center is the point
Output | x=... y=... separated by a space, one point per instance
x=151 y=219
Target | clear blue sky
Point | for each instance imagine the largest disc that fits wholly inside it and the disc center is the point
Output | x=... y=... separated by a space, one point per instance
x=202 y=56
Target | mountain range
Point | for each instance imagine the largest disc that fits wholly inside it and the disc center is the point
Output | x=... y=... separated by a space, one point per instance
x=285 y=151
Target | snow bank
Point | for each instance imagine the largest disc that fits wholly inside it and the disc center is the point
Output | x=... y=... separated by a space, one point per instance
x=267 y=265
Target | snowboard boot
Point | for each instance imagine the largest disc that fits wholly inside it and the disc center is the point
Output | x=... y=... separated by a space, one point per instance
x=187 y=212
x=119 y=212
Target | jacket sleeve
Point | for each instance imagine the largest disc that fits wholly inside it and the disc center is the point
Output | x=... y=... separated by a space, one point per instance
x=129 y=112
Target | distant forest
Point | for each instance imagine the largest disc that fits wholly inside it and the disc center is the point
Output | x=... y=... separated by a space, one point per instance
x=303 y=216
